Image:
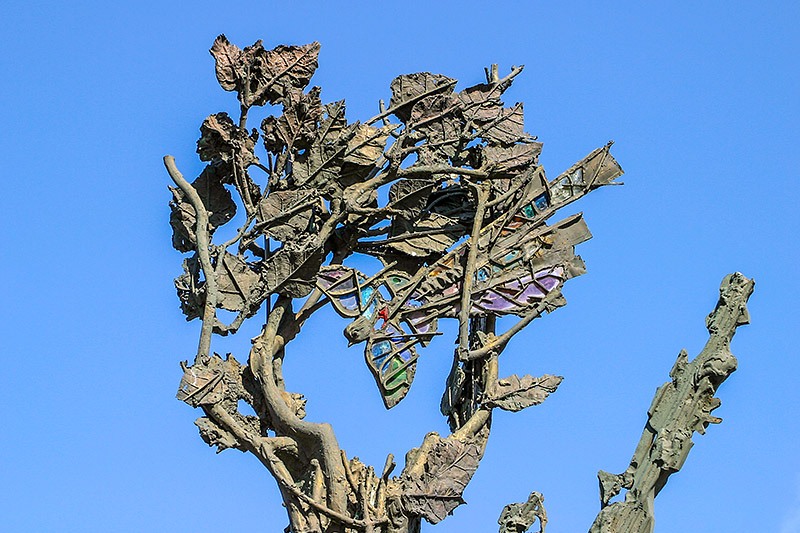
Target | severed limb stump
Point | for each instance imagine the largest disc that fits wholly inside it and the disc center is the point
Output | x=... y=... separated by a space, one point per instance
x=519 y=517
x=680 y=407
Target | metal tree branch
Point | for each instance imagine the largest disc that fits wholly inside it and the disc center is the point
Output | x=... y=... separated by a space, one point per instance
x=450 y=197
x=203 y=243
x=680 y=408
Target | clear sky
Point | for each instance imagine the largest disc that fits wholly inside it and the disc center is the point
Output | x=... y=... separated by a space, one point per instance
x=703 y=101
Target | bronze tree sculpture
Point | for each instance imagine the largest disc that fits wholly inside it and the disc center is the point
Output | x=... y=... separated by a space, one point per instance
x=462 y=235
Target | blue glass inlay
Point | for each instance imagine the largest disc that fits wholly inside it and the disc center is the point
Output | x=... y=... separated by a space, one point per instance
x=381 y=348
x=369 y=311
x=528 y=211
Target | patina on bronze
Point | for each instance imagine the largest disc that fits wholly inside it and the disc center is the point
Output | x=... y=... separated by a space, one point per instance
x=463 y=235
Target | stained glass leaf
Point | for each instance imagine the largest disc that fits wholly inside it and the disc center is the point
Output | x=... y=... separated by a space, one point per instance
x=595 y=170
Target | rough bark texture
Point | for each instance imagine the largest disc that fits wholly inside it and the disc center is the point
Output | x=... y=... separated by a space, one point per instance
x=680 y=408
x=462 y=236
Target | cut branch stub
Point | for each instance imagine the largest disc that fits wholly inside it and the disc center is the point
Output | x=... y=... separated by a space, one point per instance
x=434 y=492
x=214 y=435
x=519 y=517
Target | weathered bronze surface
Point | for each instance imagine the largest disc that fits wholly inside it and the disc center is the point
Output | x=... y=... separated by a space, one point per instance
x=462 y=235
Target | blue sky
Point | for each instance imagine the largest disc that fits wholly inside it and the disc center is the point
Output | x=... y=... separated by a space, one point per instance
x=702 y=99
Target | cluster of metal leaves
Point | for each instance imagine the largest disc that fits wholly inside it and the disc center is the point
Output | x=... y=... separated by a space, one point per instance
x=446 y=142
x=521 y=261
x=211 y=382
x=247 y=275
x=437 y=491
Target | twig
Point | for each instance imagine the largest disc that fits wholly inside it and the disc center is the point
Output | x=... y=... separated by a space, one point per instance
x=469 y=270
x=411 y=101
x=454 y=228
x=440 y=169
x=203 y=244
x=553 y=299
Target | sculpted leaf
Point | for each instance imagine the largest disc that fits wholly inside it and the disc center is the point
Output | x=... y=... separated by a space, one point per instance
x=216 y=199
x=261 y=76
x=480 y=103
x=435 y=117
x=320 y=165
x=222 y=140
x=506 y=128
x=296 y=127
x=229 y=63
x=430 y=234
x=510 y=159
x=515 y=394
x=292 y=270
x=410 y=196
x=333 y=120
x=287 y=215
x=183 y=220
x=449 y=467
x=366 y=145
x=230 y=149
x=236 y=281
x=408 y=88
x=210 y=382
x=190 y=289
x=287 y=68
